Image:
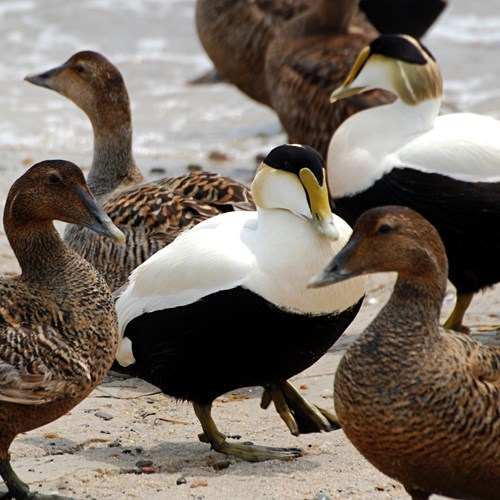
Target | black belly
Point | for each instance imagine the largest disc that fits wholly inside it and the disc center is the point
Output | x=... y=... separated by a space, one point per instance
x=228 y=340
x=466 y=215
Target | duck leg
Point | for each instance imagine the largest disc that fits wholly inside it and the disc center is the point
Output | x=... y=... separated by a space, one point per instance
x=455 y=320
x=300 y=416
x=245 y=451
x=19 y=490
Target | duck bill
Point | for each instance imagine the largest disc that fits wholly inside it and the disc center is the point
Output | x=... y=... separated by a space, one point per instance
x=43 y=79
x=345 y=90
x=319 y=201
x=99 y=220
x=338 y=268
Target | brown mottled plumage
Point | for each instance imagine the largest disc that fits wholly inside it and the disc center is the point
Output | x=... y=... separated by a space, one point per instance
x=58 y=328
x=421 y=403
x=235 y=35
x=306 y=61
x=150 y=214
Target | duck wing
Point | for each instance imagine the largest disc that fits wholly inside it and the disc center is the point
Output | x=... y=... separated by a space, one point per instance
x=37 y=366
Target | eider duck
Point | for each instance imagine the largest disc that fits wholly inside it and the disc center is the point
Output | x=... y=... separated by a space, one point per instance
x=226 y=306
x=445 y=167
x=310 y=57
x=58 y=327
x=430 y=415
x=150 y=214
x=235 y=34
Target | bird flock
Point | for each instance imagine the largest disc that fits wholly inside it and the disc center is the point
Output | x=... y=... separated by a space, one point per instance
x=201 y=285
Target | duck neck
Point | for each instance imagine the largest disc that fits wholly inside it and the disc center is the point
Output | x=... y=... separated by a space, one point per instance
x=413 y=311
x=406 y=119
x=38 y=242
x=113 y=165
x=323 y=18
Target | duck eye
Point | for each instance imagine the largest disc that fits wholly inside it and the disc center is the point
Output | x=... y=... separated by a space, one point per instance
x=79 y=68
x=384 y=228
x=54 y=179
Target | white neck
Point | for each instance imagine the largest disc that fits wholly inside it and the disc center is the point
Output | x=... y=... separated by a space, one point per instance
x=361 y=149
x=286 y=285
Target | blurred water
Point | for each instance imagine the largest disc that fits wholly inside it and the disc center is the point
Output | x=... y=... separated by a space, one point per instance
x=154 y=43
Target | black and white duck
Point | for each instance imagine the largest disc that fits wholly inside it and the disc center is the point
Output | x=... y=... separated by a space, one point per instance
x=446 y=167
x=225 y=305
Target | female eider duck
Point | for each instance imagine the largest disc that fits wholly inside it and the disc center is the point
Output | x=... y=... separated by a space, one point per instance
x=235 y=35
x=58 y=327
x=306 y=61
x=226 y=304
x=150 y=214
x=445 y=167
x=430 y=415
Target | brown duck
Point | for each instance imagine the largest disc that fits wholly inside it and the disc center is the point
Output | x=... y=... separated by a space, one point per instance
x=150 y=214
x=306 y=61
x=421 y=403
x=58 y=327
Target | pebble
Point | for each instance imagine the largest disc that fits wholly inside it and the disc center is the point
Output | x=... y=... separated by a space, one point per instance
x=321 y=496
x=104 y=415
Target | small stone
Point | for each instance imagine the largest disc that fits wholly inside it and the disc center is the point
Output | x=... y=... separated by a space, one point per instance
x=158 y=170
x=181 y=480
x=103 y=415
x=218 y=156
x=321 y=496
x=199 y=483
x=144 y=463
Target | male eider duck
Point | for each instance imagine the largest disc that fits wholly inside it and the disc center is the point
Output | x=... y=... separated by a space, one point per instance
x=226 y=304
x=58 y=327
x=150 y=214
x=445 y=167
x=430 y=415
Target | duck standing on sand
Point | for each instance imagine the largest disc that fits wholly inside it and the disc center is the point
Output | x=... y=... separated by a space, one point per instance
x=58 y=328
x=445 y=167
x=421 y=403
x=225 y=305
